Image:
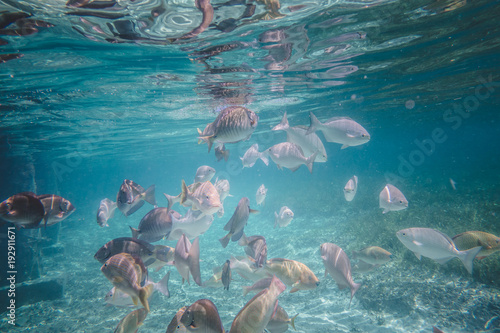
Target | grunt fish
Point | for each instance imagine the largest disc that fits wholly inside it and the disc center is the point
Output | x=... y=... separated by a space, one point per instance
x=193 y=224
x=392 y=199
x=291 y=156
x=155 y=225
x=237 y=222
x=204 y=198
x=252 y=155
x=338 y=265
x=284 y=217
x=204 y=174
x=132 y=246
x=469 y=239
x=292 y=273
x=56 y=208
x=434 y=244
x=105 y=212
x=350 y=188
x=187 y=259
x=131 y=197
x=261 y=194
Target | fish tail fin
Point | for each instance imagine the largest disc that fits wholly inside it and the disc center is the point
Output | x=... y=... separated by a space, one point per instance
x=199 y=138
x=243 y=240
x=144 y=294
x=162 y=285
x=292 y=321
x=355 y=287
x=264 y=159
x=135 y=232
x=170 y=200
x=310 y=161
x=194 y=261
x=314 y=124
x=246 y=290
x=468 y=256
x=184 y=192
x=283 y=125
x=226 y=155
x=149 y=195
x=225 y=240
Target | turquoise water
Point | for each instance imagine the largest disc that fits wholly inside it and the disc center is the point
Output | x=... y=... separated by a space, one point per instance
x=87 y=103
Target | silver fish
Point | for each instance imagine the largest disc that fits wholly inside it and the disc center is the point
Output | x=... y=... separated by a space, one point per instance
x=284 y=217
x=350 y=188
x=205 y=198
x=226 y=275
x=309 y=143
x=204 y=174
x=256 y=248
x=193 y=224
x=233 y=124
x=252 y=155
x=434 y=244
x=56 y=208
x=131 y=197
x=338 y=265
x=237 y=222
x=131 y=322
x=257 y=312
x=261 y=194
x=202 y=316
x=392 y=199
x=291 y=156
x=187 y=259
x=245 y=267
x=341 y=130
x=154 y=226
x=105 y=212
x=223 y=187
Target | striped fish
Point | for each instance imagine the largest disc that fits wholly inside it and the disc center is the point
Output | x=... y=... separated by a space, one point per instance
x=154 y=225
x=233 y=124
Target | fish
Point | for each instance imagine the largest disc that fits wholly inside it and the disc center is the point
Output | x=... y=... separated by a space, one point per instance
x=256 y=248
x=118 y=298
x=257 y=312
x=163 y=255
x=245 y=267
x=56 y=208
x=202 y=316
x=261 y=194
x=434 y=244
x=233 y=124
x=204 y=198
x=204 y=173
x=436 y=330
x=350 y=188
x=252 y=155
x=341 y=130
x=187 y=259
x=126 y=275
x=373 y=255
x=257 y=286
x=177 y=199
x=469 y=239
x=105 y=212
x=226 y=274
x=280 y=321
x=131 y=197
x=309 y=143
x=154 y=226
x=363 y=267
x=237 y=223
x=453 y=184
x=24 y=210
x=291 y=156
x=221 y=153
x=131 y=322
x=132 y=246
x=292 y=273
x=193 y=224
x=337 y=264
x=284 y=217
x=223 y=187
x=392 y=199
x=175 y=324
x=215 y=280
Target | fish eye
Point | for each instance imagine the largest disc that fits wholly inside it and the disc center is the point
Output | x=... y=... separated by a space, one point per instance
x=404 y=234
x=362 y=135
x=400 y=201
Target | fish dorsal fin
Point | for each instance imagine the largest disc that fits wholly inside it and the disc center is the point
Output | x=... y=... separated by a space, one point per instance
x=446 y=236
x=419 y=257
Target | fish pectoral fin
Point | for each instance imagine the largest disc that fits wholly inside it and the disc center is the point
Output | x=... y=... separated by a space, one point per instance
x=417 y=243
x=295 y=168
x=419 y=257
x=117 y=279
x=135 y=300
x=344 y=147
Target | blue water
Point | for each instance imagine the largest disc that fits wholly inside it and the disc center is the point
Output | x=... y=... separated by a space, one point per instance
x=84 y=107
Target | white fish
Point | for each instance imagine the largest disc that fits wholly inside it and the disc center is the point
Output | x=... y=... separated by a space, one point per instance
x=291 y=156
x=252 y=155
x=245 y=268
x=434 y=244
x=222 y=186
x=233 y=124
x=453 y=184
x=187 y=259
x=337 y=264
x=392 y=199
x=238 y=221
x=105 y=212
x=309 y=143
x=204 y=174
x=283 y=218
x=118 y=298
x=350 y=188
x=193 y=224
x=261 y=194
x=205 y=198
x=341 y=130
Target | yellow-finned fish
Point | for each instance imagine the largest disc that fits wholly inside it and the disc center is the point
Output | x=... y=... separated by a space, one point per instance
x=373 y=255
x=292 y=273
x=131 y=322
x=469 y=239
